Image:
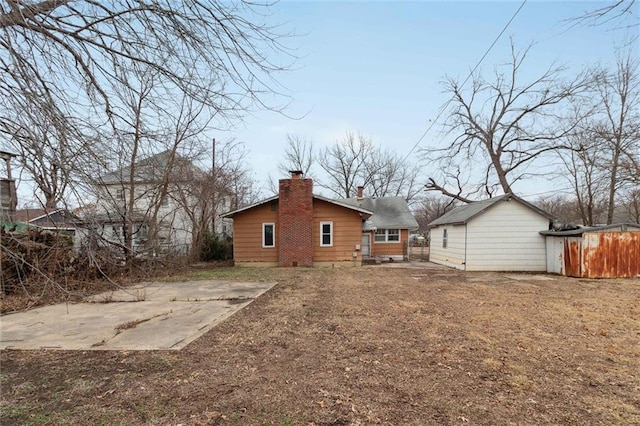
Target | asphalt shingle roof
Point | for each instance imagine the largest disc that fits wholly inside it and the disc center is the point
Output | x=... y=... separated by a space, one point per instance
x=462 y=214
x=153 y=169
x=388 y=212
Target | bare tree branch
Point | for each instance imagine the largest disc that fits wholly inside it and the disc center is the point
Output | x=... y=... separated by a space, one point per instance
x=504 y=126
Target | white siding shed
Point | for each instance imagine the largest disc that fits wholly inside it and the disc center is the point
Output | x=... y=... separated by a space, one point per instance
x=499 y=234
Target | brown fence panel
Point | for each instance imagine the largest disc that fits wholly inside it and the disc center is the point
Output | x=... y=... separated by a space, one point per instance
x=572 y=258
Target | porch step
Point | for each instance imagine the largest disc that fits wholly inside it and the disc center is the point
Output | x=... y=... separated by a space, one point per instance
x=370 y=261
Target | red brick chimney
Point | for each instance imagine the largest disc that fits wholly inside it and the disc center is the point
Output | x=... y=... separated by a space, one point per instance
x=295 y=221
x=360 y=192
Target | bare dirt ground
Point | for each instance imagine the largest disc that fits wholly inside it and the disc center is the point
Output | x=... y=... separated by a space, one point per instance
x=371 y=345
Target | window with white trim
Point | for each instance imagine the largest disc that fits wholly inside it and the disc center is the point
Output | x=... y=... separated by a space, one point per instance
x=119 y=194
x=141 y=231
x=268 y=235
x=445 y=238
x=387 y=236
x=326 y=234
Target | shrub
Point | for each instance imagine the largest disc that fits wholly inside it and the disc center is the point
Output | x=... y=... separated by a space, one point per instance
x=213 y=248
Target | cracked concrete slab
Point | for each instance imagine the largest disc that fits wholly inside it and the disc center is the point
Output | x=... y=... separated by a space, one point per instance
x=145 y=317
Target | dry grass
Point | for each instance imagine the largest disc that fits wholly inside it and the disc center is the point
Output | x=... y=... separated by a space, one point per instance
x=364 y=346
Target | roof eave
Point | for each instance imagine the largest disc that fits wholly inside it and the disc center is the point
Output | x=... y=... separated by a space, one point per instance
x=259 y=203
x=345 y=205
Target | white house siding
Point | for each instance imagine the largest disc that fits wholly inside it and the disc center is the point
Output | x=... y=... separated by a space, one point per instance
x=454 y=254
x=555 y=255
x=506 y=238
x=174 y=231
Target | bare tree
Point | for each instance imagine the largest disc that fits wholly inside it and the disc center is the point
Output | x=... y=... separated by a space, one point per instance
x=431 y=207
x=501 y=127
x=587 y=183
x=356 y=161
x=234 y=177
x=155 y=137
x=616 y=11
x=299 y=154
x=630 y=205
x=68 y=61
x=345 y=165
x=389 y=175
x=617 y=125
x=561 y=206
x=44 y=153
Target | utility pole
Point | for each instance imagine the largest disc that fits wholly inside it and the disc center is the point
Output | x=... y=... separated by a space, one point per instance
x=215 y=189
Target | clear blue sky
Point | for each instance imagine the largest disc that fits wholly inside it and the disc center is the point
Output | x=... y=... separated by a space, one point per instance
x=376 y=67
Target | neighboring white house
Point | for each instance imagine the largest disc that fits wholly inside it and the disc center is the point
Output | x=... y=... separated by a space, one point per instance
x=498 y=234
x=58 y=220
x=169 y=202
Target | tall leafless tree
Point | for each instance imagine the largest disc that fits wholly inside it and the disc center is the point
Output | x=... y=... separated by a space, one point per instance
x=562 y=206
x=298 y=155
x=500 y=128
x=617 y=124
x=390 y=175
x=588 y=184
x=431 y=207
x=203 y=198
x=68 y=61
x=344 y=164
x=356 y=161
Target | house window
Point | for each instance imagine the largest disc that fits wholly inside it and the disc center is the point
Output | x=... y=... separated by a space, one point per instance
x=120 y=194
x=141 y=231
x=387 y=236
x=268 y=235
x=445 y=238
x=326 y=234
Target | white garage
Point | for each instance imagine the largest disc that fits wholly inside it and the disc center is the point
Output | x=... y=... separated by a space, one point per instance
x=497 y=234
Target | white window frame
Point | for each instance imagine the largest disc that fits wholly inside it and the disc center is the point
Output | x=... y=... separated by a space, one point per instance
x=120 y=194
x=386 y=236
x=445 y=238
x=273 y=227
x=322 y=234
x=141 y=231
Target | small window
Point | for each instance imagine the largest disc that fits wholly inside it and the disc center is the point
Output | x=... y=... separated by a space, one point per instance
x=445 y=238
x=141 y=231
x=326 y=234
x=120 y=194
x=268 y=235
x=387 y=236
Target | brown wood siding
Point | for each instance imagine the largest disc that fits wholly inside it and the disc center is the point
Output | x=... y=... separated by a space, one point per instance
x=390 y=249
x=247 y=235
x=347 y=232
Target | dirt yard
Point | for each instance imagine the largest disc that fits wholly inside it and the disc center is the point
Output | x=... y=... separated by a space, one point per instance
x=372 y=345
